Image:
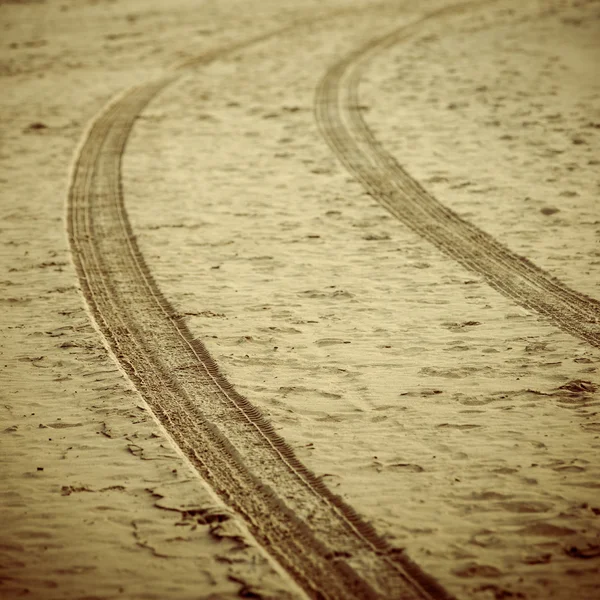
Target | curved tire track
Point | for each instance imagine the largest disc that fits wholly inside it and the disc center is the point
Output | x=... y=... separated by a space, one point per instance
x=343 y=127
x=318 y=538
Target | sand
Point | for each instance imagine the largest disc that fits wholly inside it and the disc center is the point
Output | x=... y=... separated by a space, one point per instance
x=461 y=425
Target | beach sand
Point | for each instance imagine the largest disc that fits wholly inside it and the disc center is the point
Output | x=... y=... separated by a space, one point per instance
x=457 y=420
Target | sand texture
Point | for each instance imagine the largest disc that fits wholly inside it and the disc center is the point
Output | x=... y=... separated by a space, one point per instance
x=300 y=300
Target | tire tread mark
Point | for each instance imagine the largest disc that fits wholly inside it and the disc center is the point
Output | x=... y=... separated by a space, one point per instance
x=342 y=125
x=313 y=533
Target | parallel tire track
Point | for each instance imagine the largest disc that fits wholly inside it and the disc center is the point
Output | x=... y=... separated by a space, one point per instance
x=343 y=127
x=319 y=539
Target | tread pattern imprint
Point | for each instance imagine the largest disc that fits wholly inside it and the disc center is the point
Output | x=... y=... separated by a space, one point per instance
x=320 y=540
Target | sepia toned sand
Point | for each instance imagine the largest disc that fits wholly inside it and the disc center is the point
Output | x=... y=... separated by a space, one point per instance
x=461 y=425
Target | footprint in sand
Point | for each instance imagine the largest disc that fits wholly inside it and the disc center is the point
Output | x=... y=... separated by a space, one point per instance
x=475 y=570
x=546 y=530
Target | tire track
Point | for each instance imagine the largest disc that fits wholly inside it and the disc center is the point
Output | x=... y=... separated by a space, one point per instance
x=315 y=536
x=343 y=127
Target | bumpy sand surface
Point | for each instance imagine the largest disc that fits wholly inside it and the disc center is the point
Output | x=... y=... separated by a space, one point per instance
x=247 y=350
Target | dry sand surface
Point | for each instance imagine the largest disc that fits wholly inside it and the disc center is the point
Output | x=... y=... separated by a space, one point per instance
x=336 y=202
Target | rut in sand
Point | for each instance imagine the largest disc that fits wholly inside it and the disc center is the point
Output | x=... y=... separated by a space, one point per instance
x=337 y=110
x=314 y=535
